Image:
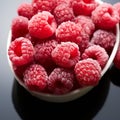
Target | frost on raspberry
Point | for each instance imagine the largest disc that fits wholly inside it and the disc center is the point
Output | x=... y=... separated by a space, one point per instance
x=43 y=52
x=63 y=13
x=35 y=78
x=19 y=27
x=25 y=10
x=42 y=25
x=97 y=53
x=43 y=5
x=83 y=7
x=21 y=51
x=61 y=81
x=105 y=39
x=88 y=72
x=66 y=54
x=105 y=16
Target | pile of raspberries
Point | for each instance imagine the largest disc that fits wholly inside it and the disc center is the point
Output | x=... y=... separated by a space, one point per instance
x=58 y=46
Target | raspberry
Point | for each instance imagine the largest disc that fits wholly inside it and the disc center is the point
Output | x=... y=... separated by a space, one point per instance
x=21 y=51
x=86 y=23
x=26 y=10
x=83 y=7
x=43 y=52
x=117 y=7
x=19 y=26
x=35 y=77
x=105 y=16
x=88 y=72
x=42 y=25
x=60 y=81
x=97 y=53
x=43 y=5
x=69 y=31
x=66 y=54
x=116 y=60
x=63 y=13
x=105 y=39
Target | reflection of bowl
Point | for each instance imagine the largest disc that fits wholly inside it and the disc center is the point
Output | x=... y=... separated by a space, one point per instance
x=85 y=108
x=76 y=93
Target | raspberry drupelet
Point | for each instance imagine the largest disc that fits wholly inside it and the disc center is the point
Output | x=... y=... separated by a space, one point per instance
x=88 y=72
x=21 y=51
x=61 y=81
x=35 y=77
x=42 y=25
x=66 y=54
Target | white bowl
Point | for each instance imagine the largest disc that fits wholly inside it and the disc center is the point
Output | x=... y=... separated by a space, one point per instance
x=73 y=94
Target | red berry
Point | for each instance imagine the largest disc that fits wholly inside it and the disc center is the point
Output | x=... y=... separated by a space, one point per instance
x=35 y=77
x=88 y=72
x=21 y=51
x=105 y=39
x=117 y=58
x=83 y=7
x=63 y=13
x=105 y=16
x=60 y=81
x=26 y=10
x=43 y=5
x=42 y=25
x=66 y=54
x=43 y=52
x=97 y=53
x=19 y=26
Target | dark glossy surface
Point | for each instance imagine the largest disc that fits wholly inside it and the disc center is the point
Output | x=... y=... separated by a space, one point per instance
x=102 y=103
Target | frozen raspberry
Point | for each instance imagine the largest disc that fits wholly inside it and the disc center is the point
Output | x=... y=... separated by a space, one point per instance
x=21 y=51
x=42 y=25
x=88 y=72
x=97 y=53
x=60 y=81
x=63 y=2
x=83 y=7
x=117 y=7
x=86 y=23
x=26 y=10
x=63 y=13
x=43 y=5
x=105 y=39
x=69 y=31
x=35 y=77
x=117 y=58
x=19 y=26
x=66 y=54
x=105 y=16
x=43 y=52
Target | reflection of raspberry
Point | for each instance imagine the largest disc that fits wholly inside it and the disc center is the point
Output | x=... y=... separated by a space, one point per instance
x=43 y=52
x=42 y=25
x=19 y=26
x=63 y=13
x=26 y=10
x=43 y=5
x=105 y=16
x=97 y=53
x=35 y=77
x=66 y=54
x=117 y=58
x=88 y=72
x=105 y=39
x=21 y=51
x=86 y=23
x=83 y=7
x=60 y=81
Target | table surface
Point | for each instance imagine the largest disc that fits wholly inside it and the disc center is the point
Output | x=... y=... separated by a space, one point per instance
x=102 y=103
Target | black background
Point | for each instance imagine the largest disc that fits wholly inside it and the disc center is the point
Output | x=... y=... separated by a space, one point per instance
x=102 y=103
